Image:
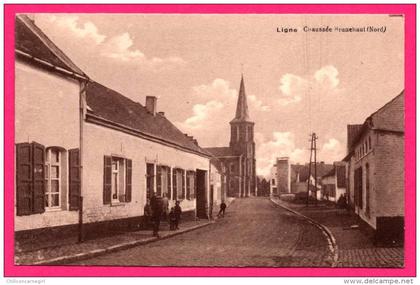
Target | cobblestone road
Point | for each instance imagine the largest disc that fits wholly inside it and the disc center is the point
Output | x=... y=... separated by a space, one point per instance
x=254 y=232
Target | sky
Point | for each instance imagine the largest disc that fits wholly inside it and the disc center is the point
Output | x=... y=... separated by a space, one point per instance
x=296 y=83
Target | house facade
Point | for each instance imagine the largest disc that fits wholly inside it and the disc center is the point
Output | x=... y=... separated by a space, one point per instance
x=334 y=182
x=87 y=155
x=376 y=171
x=239 y=157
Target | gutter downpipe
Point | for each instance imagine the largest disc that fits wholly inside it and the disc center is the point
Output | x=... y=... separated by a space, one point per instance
x=82 y=112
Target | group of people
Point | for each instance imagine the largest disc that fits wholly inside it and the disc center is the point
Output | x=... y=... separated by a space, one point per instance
x=157 y=208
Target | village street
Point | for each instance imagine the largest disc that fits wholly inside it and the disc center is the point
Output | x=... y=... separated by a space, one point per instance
x=254 y=232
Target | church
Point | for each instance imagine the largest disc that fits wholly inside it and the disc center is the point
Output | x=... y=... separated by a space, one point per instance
x=239 y=157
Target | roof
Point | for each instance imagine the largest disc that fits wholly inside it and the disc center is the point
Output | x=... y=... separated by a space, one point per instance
x=390 y=117
x=242 y=114
x=303 y=170
x=30 y=40
x=110 y=105
x=220 y=151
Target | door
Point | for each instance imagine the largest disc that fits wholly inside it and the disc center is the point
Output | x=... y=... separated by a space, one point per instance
x=201 y=202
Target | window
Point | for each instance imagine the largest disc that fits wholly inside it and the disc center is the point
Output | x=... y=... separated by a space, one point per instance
x=117 y=180
x=178 y=184
x=163 y=181
x=237 y=133
x=358 y=187
x=190 y=185
x=53 y=178
x=246 y=134
x=232 y=167
x=367 y=187
x=118 y=189
x=250 y=133
x=42 y=179
x=369 y=143
x=273 y=181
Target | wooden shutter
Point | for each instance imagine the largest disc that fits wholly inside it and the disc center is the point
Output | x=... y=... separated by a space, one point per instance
x=169 y=184
x=107 y=179
x=174 y=188
x=128 y=178
x=74 y=179
x=24 y=172
x=194 y=186
x=38 y=154
x=183 y=184
x=158 y=180
x=188 y=185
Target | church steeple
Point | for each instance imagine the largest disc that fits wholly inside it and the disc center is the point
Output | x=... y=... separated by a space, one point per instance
x=242 y=114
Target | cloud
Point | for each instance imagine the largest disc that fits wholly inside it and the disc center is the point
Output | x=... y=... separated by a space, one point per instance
x=202 y=112
x=281 y=144
x=71 y=23
x=215 y=108
x=294 y=88
x=120 y=48
x=332 y=150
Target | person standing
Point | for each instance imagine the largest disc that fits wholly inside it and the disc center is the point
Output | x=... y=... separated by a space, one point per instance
x=156 y=205
x=165 y=206
x=147 y=214
x=178 y=212
x=222 y=209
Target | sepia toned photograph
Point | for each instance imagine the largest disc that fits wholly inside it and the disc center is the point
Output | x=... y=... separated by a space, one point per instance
x=209 y=140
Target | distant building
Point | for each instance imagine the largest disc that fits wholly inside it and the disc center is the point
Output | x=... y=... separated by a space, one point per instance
x=334 y=182
x=239 y=157
x=280 y=177
x=286 y=178
x=376 y=171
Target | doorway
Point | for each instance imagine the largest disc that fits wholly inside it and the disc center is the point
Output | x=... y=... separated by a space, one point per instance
x=201 y=185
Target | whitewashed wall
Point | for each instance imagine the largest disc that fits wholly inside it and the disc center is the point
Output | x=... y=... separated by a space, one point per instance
x=46 y=111
x=100 y=141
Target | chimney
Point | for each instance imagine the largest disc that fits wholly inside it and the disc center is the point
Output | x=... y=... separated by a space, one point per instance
x=151 y=102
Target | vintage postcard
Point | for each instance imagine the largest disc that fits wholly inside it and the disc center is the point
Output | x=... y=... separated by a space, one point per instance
x=262 y=139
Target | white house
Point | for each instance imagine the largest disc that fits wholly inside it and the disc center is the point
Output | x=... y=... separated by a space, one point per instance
x=87 y=155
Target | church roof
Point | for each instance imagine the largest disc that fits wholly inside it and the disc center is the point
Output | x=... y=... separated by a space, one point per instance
x=220 y=151
x=242 y=114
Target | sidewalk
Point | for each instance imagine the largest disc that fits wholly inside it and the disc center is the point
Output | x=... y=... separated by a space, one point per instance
x=355 y=248
x=71 y=252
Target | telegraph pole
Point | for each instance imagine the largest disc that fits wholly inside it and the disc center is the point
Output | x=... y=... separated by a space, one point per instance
x=312 y=151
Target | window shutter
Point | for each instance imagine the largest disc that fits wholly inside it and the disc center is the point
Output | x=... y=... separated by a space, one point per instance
x=107 y=179
x=169 y=184
x=158 y=180
x=174 y=189
x=24 y=179
x=194 y=187
x=183 y=184
x=128 y=175
x=74 y=179
x=38 y=154
x=188 y=185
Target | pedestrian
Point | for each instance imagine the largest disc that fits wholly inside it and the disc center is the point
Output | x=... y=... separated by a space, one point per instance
x=165 y=207
x=222 y=209
x=156 y=205
x=172 y=219
x=178 y=212
x=147 y=215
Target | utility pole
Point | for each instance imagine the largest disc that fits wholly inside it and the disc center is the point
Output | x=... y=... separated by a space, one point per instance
x=312 y=151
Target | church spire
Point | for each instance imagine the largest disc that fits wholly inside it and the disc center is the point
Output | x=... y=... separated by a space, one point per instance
x=242 y=106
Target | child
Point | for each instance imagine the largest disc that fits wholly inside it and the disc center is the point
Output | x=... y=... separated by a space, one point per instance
x=172 y=219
